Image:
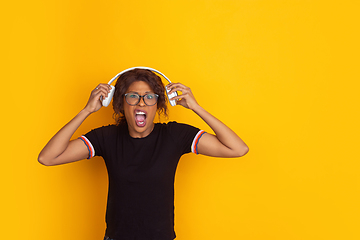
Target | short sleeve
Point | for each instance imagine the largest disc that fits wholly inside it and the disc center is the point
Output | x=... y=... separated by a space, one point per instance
x=89 y=146
x=186 y=136
x=96 y=140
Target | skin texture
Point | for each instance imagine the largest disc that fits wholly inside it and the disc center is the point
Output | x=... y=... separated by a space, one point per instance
x=223 y=143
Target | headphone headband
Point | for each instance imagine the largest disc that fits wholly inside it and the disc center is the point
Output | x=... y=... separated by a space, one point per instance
x=146 y=68
x=106 y=101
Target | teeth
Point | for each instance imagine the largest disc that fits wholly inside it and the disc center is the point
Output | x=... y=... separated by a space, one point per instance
x=140 y=113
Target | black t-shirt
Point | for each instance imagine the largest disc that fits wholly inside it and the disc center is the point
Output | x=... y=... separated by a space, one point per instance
x=141 y=177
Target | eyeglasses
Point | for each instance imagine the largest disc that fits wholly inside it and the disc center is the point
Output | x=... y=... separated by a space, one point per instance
x=133 y=99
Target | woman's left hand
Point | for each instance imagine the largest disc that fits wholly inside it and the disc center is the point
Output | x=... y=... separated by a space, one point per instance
x=186 y=99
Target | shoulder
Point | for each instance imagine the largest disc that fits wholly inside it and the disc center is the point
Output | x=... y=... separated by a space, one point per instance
x=183 y=135
x=109 y=130
x=110 y=127
x=177 y=130
x=174 y=126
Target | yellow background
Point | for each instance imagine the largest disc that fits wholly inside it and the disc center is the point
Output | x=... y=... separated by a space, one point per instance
x=283 y=74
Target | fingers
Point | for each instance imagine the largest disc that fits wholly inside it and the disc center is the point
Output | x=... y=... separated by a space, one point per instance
x=186 y=98
x=174 y=87
x=178 y=87
x=101 y=90
x=104 y=87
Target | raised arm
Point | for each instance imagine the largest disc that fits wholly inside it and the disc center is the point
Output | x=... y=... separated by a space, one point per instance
x=60 y=149
x=225 y=142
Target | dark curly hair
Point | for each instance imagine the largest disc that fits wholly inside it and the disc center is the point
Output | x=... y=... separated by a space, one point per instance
x=124 y=82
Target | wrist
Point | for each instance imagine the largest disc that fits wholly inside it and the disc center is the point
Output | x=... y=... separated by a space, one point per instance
x=86 y=112
x=197 y=108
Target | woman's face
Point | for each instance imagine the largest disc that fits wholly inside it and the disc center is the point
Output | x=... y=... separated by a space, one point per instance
x=140 y=118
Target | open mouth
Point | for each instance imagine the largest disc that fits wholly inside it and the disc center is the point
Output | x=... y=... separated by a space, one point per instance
x=140 y=118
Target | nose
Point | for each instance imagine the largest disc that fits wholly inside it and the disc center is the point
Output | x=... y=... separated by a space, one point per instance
x=142 y=101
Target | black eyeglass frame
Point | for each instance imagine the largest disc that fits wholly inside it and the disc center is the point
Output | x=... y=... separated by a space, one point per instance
x=156 y=95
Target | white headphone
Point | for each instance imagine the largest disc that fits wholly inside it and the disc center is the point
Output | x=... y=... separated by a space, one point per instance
x=106 y=101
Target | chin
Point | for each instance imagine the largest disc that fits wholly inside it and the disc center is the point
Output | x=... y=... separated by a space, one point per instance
x=140 y=131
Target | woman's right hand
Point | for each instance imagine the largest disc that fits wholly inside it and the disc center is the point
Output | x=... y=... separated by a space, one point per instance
x=94 y=103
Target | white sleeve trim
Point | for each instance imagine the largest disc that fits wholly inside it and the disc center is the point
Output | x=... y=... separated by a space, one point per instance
x=196 y=141
x=89 y=146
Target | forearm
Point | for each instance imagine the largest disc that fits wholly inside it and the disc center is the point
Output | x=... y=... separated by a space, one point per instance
x=60 y=141
x=223 y=133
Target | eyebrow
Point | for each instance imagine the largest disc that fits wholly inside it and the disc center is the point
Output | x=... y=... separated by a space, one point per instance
x=139 y=94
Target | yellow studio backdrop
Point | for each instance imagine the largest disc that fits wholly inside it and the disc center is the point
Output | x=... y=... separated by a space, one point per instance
x=284 y=75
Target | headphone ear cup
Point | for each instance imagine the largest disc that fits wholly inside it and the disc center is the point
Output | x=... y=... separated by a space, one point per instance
x=171 y=95
x=106 y=101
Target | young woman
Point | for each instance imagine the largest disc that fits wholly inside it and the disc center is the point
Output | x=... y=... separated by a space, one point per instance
x=141 y=157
